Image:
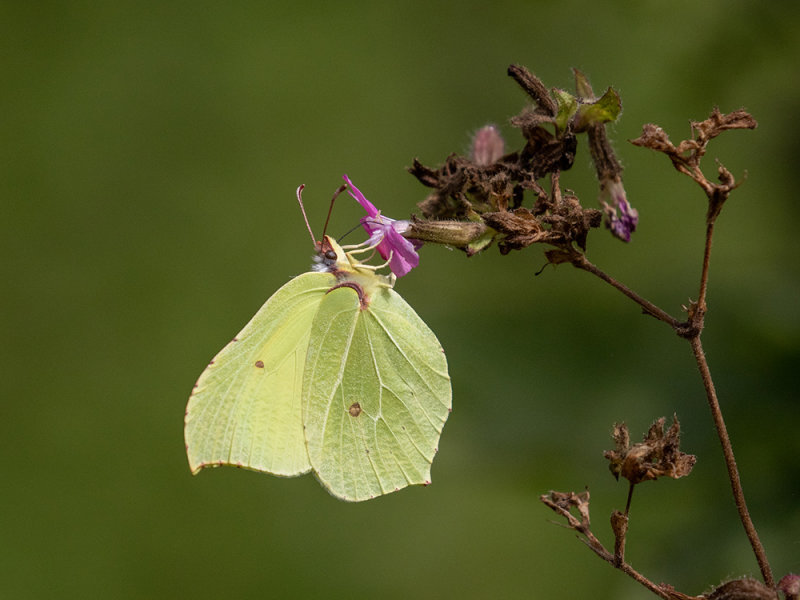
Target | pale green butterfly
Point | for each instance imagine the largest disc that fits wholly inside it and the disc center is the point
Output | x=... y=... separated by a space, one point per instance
x=335 y=374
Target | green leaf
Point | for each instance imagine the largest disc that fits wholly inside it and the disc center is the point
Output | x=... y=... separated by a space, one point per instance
x=481 y=242
x=567 y=106
x=605 y=109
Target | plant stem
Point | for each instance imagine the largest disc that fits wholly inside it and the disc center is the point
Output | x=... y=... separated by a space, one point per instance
x=730 y=462
x=696 y=316
x=581 y=262
x=662 y=591
x=691 y=331
x=630 y=497
x=616 y=560
x=701 y=300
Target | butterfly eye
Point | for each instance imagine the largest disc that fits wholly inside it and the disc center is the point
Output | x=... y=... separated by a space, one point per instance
x=330 y=255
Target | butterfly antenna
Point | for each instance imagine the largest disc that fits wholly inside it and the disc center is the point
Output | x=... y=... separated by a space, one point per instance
x=348 y=232
x=338 y=191
x=303 y=210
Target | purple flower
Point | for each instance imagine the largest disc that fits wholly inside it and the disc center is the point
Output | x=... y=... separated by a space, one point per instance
x=387 y=235
x=622 y=225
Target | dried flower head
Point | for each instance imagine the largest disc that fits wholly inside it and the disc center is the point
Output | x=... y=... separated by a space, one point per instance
x=658 y=455
x=490 y=186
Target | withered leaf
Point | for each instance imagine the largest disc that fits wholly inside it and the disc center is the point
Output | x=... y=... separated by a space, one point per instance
x=655 y=138
x=520 y=228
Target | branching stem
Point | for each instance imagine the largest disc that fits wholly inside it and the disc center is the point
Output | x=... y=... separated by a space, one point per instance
x=582 y=527
x=691 y=330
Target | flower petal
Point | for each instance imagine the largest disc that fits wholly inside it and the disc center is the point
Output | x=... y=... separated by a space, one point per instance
x=360 y=198
x=404 y=254
x=386 y=235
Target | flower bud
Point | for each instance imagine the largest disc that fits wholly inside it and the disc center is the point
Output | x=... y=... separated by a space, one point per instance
x=790 y=586
x=624 y=223
x=459 y=234
x=487 y=146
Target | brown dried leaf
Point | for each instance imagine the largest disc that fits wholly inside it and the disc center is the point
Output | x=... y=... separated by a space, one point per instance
x=564 y=502
x=718 y=122
x=557 y=257
x=689 y=152
x=655 y=138
x=520 y=227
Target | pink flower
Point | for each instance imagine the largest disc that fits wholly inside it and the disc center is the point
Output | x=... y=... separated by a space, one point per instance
x=487 y=146
x=387 y=235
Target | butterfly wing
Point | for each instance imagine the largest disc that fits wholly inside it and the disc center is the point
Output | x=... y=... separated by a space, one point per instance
x=245 y=409
x=376 y=395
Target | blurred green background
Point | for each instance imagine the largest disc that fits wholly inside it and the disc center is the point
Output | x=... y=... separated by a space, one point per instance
x=150 y=153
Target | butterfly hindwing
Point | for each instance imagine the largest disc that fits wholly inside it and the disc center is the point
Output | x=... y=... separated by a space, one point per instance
x=376 y=394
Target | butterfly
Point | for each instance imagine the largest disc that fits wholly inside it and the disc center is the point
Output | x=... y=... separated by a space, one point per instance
x=335 y=374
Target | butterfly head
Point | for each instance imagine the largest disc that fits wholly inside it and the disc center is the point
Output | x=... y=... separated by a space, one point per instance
x=330 y=258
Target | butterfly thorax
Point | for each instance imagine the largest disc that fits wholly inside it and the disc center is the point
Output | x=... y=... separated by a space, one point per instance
x=349 y=271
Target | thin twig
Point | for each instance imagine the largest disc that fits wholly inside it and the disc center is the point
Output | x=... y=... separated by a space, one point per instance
x=662 y=591
x=561 y=503
x=581 y=262
x=697 y=315
x=730 y=461
x=701 y=300
x=630 y=497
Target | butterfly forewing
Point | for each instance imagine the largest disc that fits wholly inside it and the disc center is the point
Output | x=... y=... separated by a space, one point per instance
x=246 y=407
